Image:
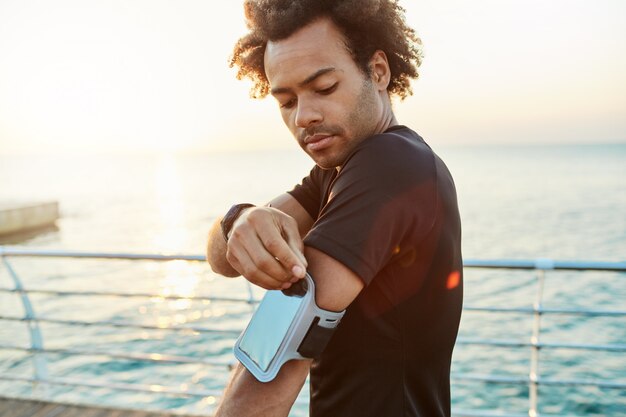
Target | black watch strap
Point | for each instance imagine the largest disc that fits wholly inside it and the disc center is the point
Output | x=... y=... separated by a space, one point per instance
x=230 y=217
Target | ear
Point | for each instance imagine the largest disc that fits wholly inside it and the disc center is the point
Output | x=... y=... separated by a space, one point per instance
x=381 y=74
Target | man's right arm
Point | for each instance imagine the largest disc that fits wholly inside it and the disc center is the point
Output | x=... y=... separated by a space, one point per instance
x=272 y=251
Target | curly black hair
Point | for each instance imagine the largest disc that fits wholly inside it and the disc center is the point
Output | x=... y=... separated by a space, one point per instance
x=368 y=26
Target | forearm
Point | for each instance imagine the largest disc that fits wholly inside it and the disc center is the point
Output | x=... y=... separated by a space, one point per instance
x=216 y=252
x=245 y=396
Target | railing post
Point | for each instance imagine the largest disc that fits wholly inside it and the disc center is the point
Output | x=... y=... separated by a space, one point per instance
x=533 y=378
x=36 y=339
x=251 y=297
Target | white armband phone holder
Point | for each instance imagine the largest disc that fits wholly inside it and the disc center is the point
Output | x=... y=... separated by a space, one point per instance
x=286 y=325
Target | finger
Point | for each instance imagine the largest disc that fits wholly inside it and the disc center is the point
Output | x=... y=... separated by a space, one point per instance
x=267 y=262
x=276 y=245
x=294 y=241
x=269 y=226
x=240 y=259
x=291 y=233
x=248 y=237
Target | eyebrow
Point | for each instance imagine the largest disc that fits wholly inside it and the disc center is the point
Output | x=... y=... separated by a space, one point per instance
x=307 y=80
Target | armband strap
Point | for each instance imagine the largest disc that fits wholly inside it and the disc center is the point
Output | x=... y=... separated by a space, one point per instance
x=315 y=340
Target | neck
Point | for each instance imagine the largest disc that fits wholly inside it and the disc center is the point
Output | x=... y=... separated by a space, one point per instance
x=388 y=119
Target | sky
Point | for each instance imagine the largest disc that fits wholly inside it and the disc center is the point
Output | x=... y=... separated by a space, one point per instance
x=87 y=76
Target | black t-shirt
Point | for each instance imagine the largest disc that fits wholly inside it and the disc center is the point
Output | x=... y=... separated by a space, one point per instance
x=390 y=215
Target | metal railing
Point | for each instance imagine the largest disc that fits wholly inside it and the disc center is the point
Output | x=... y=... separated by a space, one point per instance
x=533 y=380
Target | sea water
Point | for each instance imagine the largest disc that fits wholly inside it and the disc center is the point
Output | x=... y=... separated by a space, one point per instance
x=565 y=202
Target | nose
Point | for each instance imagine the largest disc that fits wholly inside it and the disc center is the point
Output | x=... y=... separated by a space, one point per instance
x=307 y=113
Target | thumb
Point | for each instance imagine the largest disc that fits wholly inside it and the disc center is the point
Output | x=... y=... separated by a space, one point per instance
x=293 y=239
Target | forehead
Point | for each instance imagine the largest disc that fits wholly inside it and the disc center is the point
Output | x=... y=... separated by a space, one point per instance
x=315 y=46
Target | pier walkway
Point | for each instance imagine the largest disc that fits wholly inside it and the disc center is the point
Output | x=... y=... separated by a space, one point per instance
x=14 y=407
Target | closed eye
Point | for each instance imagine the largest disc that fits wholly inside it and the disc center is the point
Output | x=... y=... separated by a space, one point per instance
x=288 y=104
x=328 y=90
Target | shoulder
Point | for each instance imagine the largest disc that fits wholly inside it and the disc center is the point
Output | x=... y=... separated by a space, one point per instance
x=397 y=152
x=317 y=178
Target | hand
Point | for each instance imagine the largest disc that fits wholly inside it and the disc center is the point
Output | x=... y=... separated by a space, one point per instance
x=266 y=248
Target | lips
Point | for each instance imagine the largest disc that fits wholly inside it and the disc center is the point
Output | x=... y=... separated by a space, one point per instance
x=318 y=141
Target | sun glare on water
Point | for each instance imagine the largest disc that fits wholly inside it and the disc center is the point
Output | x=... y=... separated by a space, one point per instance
x=171 y=235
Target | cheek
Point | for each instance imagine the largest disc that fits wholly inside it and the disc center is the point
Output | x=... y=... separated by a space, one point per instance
x=287 y=118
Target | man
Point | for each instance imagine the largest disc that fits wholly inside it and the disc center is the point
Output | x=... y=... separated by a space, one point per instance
x=375 y=223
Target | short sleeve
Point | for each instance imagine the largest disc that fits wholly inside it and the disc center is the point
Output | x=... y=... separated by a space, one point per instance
x=310 y=192
x=383 y=198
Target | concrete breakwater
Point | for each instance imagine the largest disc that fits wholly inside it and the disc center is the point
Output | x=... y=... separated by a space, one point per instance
x=22 y=217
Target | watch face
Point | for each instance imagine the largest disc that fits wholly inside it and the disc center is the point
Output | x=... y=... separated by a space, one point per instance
x=229 y=219
x=269 y=325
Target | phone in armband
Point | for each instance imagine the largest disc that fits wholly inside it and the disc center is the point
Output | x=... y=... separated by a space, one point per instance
x=286 y=325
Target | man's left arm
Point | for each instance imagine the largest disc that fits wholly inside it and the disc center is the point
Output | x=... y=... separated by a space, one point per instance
x=336 y=287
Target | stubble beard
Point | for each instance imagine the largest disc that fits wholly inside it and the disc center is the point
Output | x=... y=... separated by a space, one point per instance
x=361 y=126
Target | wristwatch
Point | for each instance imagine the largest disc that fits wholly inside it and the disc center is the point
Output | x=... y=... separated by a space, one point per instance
x=229 y=219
